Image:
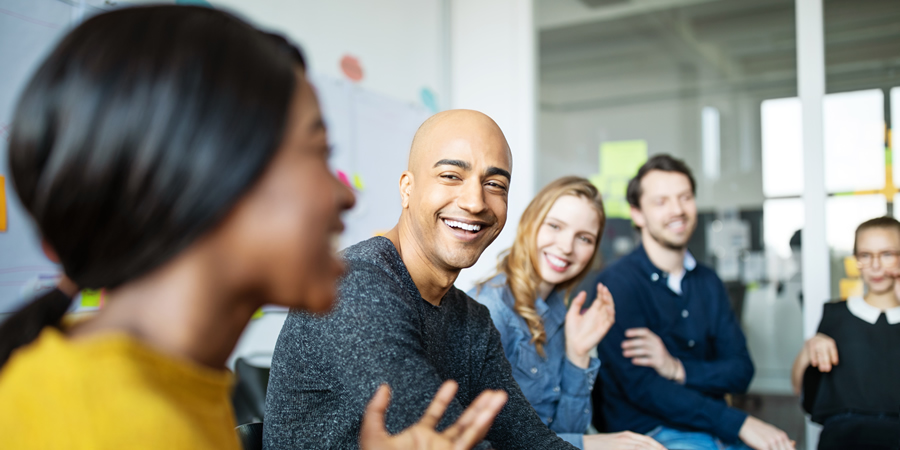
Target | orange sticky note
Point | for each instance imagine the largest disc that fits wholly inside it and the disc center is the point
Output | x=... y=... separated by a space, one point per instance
x=851 y=287
x=2 y=203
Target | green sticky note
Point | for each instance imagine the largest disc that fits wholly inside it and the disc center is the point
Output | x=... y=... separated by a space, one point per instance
x=619 y=162
x=622 y=158
x=259 y=313
x=90 y=298
x=357 y=182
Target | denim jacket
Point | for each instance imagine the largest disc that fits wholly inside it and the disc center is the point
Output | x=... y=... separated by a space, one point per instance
x=558 y=390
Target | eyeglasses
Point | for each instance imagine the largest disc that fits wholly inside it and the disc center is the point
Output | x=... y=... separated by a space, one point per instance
x=886 y=259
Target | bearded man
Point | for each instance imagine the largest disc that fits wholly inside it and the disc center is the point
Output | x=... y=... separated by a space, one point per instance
x=676 y=348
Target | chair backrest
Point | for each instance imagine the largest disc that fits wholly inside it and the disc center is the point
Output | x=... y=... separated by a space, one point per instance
x=249 y=396
x=251 y=435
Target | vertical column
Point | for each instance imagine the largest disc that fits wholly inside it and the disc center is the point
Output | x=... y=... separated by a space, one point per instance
x=811 y=87
x=493 y=70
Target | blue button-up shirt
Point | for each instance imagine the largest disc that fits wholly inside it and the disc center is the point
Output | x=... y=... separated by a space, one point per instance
x=695 y=321
x=558 y=390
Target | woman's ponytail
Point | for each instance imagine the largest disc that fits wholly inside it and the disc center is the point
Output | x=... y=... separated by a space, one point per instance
x=24 y=326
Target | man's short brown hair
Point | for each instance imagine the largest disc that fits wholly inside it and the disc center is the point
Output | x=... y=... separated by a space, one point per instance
x=665 y=163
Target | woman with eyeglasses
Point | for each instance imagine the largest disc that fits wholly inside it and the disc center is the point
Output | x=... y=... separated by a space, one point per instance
x=850 y=370
x=176 y=157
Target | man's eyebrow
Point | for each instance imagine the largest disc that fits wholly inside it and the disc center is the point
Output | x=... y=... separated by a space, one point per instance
x=454 y=162
x=498 y=171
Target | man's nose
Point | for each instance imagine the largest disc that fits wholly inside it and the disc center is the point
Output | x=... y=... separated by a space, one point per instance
x=471 y=199
x=677 y=207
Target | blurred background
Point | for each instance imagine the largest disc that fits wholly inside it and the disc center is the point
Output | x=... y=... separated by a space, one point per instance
x=591 y=88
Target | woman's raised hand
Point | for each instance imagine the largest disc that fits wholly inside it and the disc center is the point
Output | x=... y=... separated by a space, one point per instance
x=468 y=431
x=822 y=352
x=585 y=329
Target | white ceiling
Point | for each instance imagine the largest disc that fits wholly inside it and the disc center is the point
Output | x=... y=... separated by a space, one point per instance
x=639 y=50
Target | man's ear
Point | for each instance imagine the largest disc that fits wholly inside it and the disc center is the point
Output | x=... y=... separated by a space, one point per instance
x=406 y=184
x=637 y=217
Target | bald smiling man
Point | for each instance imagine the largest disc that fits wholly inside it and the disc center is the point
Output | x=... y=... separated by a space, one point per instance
x=398 y=319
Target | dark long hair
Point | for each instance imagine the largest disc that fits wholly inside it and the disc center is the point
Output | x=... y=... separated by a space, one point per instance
x=136 y=136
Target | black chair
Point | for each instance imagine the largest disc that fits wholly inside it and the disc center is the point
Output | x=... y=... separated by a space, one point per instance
x=249 y=396
x=251 y=435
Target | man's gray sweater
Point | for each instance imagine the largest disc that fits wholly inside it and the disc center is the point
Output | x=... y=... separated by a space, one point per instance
x=326 y=368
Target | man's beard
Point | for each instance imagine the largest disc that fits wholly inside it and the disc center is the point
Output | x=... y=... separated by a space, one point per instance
x=661 y=240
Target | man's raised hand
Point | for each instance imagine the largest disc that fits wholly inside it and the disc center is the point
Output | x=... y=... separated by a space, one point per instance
x=468 y=431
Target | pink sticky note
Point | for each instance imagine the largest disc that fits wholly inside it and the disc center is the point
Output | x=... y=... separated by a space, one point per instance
x=344 y=179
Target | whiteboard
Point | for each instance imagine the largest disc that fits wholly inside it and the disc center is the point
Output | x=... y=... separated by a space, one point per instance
x=369 y=134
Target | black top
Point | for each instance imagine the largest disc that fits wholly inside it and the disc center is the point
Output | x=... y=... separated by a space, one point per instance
x=867 y=377
x=326 y=369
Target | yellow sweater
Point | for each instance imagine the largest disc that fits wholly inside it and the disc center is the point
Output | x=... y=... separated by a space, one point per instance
x=111 y=392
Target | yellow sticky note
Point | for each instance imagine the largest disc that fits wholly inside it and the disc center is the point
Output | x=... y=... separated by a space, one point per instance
x=851 y=267
x=259 y=313
x=2 y=203
x=357 y=182
x=90 y=298
x=851 y=287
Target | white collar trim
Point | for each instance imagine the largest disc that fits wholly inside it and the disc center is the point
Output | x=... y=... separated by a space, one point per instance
x=859 y=308
x=690 y=263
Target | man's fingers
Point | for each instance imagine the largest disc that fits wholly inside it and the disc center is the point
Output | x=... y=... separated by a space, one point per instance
x=437 y=407
x=635 y=342
x=642 y=361
x=476 y=420
x=636 y=332
x=636 y=351
x=373 y=420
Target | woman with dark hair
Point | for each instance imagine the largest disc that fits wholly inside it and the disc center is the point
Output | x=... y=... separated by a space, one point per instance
x=176 y=157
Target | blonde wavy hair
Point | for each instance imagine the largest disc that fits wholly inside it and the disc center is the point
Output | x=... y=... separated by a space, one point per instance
x=520 y=263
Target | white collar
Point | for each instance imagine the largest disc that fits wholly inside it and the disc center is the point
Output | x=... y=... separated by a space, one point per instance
x=859 y=308
x=690 y=263
x=674 y=281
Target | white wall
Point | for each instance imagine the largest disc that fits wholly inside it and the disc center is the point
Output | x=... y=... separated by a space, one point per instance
x=399 y=42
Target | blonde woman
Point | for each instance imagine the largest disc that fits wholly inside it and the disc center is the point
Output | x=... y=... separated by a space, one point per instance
x=547 y=338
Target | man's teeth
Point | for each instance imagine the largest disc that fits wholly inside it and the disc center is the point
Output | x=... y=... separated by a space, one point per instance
x=464 y=226
x=556 y=261
x=676 y=223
